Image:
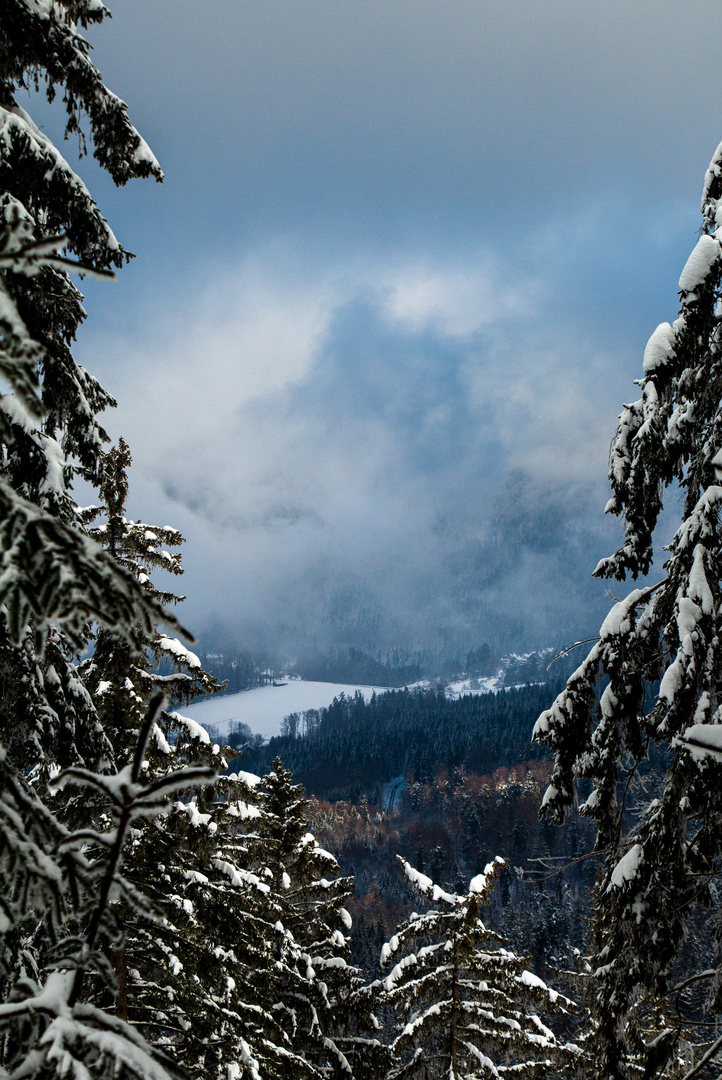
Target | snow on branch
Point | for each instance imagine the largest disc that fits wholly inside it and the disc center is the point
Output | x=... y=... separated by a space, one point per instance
x=704 y=741
x=483 y=883
x=192 y=727
x=178 y=651
x=425 y=885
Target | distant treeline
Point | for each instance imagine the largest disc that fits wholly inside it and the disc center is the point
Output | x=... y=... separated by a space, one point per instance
x=242 y=670
x=354 y=666
x=239 y=670
x=354 y=747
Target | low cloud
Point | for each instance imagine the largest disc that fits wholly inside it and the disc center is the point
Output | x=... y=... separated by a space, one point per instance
x=391 y=298
x=382 y=453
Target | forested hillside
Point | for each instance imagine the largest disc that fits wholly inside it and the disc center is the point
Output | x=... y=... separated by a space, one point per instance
x=449 y=783
x=449 y=828
x=355 y=747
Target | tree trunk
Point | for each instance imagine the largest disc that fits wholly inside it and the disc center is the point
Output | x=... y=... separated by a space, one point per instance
x=121 y=975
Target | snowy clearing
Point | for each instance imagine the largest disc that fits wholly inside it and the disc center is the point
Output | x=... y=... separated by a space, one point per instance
x=488 y=684
x=264 y=707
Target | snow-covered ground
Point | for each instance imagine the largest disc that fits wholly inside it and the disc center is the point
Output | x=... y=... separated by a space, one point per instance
x=486 y=684
x=264 y=707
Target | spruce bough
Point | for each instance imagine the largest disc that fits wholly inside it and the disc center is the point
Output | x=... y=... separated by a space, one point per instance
x=657 y=867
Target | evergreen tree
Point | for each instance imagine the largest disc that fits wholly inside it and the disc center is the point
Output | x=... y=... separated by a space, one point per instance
x=466 y=1000
x=55 y=910
x=201 y=982
x=663 y=639
x=246 y=973
x=118 y=677
x=324 y=1007
x=53 y=579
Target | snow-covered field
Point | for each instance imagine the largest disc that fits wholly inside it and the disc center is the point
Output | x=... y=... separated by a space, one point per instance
x=485 y=685
x=491 y=684
x=264 y=707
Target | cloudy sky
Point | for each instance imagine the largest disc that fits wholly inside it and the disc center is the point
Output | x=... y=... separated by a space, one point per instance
x=391 y=296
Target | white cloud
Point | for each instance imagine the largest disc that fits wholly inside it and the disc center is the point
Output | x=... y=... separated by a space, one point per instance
x=455 y=301
x=246 y=336
x=302 y=427
x=552 y=398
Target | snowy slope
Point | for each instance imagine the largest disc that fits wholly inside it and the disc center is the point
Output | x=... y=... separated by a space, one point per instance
x=264 y=707
x=489 y=684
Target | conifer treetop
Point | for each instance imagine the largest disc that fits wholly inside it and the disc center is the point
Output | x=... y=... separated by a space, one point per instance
x=42 y=43
x=673 y=432
x=667 y=632
x=120 y=675
x=468 y=1004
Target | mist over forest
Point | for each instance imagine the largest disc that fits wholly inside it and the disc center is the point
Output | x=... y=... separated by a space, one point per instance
x=515 y=572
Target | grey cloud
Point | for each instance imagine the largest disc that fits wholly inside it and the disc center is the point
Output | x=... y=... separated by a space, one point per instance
x=424 y=469
x=392 y=296
x=290 y=112
x=204 y=501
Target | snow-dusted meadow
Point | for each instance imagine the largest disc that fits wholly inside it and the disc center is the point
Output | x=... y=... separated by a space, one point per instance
x=264 y=707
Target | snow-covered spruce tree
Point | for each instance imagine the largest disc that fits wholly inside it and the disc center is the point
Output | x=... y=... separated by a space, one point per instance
x=48 y=424
x=119 y=679
x=324 y=1007
x=469 y=1006
x=49 y=1027
x=659 y=865
x=54 y=579
x=201 y=982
